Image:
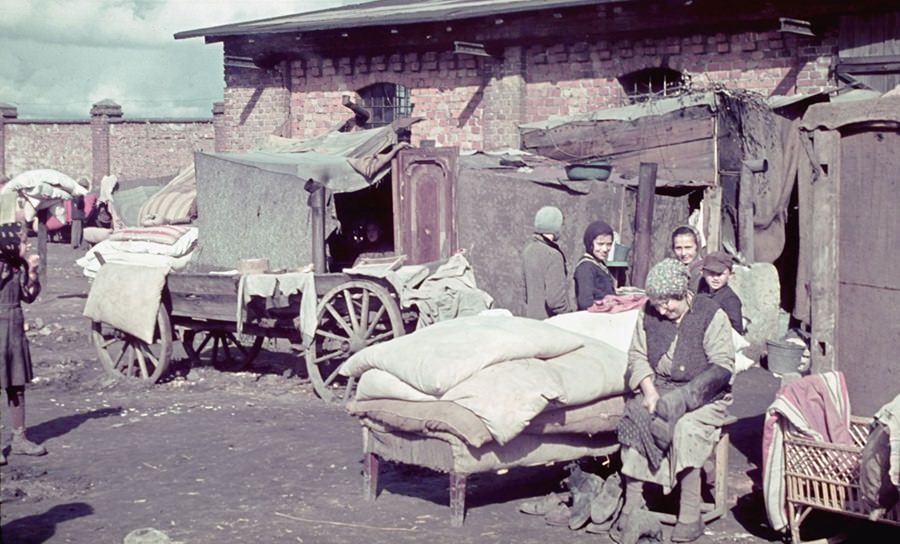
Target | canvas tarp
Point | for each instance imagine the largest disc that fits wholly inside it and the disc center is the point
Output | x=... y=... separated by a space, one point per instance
x=342 y=161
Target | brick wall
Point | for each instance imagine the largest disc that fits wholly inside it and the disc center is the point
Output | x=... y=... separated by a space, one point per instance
x=157 y=148
x=63 y=146
x=105 y=143
x=476 y=102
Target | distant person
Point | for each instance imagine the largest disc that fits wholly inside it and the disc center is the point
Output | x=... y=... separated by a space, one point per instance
x=546 y=292
x=592 y=279
x=717 y=271
x=686 y=247
x=18 y=283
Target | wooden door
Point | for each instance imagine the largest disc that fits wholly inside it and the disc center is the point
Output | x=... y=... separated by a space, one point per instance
x=425 y=203
x=868 y=297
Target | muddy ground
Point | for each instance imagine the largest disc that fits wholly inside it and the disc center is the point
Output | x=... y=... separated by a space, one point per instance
x=217 y=457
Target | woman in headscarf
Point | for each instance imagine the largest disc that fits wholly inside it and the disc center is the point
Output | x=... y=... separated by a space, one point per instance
x=680 y=365
x=18 y=283
x=592 y=279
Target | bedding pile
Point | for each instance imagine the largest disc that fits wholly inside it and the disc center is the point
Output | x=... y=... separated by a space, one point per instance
x=506 y=370
x=166 y=246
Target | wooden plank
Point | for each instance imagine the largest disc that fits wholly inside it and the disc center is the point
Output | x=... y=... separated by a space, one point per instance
x=678 y=162
x=643 y=225
x=607 y=138
x=805 y=180
x=824 y=261
x=712 y=203
x=203 y=284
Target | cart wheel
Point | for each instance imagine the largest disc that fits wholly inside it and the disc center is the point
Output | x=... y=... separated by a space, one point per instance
x=223 y=349
x=351 y=316
x=121 y=354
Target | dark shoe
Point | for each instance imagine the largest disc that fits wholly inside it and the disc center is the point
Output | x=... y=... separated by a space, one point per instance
x=608 y=500
x=558 y=516
x=687 y=532
x=543 y=505
x=583 y=497
x=22 y=446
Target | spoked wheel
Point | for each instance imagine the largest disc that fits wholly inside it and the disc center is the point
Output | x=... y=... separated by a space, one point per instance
x=121 y=354
x=351 y=316
x=224 y=350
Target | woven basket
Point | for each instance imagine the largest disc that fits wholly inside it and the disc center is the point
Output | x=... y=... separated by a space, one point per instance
x=825 y=476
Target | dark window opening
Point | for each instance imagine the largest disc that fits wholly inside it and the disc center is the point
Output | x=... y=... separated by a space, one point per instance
x=366 y=225
x=386 y=102
x=651 y=83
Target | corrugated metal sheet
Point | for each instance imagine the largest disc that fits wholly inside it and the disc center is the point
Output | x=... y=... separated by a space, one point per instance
x=381 y=13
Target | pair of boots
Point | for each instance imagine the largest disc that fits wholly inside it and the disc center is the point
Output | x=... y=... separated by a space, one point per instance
x=20 y=445
x=689 y=526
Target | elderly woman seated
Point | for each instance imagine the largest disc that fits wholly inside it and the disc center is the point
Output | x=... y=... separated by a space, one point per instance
x=680 y=365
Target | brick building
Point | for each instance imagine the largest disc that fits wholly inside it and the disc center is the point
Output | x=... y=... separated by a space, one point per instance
x=475 y=70
x=105 y=143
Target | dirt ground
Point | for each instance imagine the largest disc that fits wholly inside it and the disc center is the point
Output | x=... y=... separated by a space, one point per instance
x=216 y=457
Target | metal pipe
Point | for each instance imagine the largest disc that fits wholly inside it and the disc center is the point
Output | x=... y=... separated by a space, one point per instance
x=316 y=204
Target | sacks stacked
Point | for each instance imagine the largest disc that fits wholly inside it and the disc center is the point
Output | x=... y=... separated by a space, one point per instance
x=504 y=369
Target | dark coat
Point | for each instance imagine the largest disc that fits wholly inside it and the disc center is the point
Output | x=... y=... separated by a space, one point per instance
x=546 y=292
x=728 y=301
x=592 y=282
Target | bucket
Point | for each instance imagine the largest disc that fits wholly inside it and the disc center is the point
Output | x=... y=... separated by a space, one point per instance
x=620 y=253
x=784 y=357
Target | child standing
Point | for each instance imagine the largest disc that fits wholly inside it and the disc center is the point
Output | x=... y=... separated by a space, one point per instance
x=18 y=282
x=717 y=271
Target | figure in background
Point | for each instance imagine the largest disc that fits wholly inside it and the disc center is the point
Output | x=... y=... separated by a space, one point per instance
x=680 y=366
x=717 y=271
x=18 y=283
x=546 y=292
x=686 y=247
x=592 y=279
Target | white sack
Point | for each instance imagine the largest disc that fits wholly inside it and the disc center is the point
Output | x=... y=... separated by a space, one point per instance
x=438 y=357
x=614 y=329
x=592 y=372
x=508 y=395
x=378 y=384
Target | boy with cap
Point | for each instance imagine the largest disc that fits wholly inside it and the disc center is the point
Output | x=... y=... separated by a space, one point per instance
x=544 y=264
x=717 y=271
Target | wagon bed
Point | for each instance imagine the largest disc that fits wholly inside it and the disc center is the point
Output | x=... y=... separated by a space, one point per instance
x=201 y=310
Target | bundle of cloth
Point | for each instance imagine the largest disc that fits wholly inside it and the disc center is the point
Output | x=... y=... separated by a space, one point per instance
x=47 y=189
x=165 y=246
x=516 y=375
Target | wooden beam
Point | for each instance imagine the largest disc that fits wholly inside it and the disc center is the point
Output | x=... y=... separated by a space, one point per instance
x=824 y=260
x=643 y=224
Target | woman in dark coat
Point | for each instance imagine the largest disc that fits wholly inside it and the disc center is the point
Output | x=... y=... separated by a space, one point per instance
x=592 y=279
x=18 y=283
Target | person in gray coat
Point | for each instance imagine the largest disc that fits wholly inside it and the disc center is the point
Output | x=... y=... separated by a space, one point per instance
x=544 y=264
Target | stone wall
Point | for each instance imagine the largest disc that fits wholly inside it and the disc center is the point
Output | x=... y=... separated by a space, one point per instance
x=102 y=144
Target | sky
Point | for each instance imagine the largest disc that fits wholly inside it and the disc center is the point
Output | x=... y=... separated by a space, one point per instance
x=58 y=57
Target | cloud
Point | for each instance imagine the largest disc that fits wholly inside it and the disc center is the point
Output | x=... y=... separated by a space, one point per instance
x=57 y=57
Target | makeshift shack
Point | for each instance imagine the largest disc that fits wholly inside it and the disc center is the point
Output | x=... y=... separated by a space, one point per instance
x=272 y=203
x=849 y=288
x=497 y=204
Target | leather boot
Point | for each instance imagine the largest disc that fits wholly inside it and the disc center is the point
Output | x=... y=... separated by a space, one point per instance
x=690 y=523
x=22 y=446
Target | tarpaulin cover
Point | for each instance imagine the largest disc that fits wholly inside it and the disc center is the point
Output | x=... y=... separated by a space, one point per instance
x=629 y=113
x=342 y=161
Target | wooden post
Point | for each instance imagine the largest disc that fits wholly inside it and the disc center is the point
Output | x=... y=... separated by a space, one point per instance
x=42 y=245
x=317 y=206
x=746 y=198
x=643 y=223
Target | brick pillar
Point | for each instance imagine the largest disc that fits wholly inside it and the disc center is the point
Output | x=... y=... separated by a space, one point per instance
x=7 y=111
x=504 y=97
x=101 y=113
x=218 y=112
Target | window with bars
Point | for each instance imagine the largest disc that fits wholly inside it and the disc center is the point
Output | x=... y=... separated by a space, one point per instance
x=385 y=102
x=652 y=83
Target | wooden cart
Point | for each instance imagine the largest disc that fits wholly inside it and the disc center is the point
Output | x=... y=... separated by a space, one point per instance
x=200 y=310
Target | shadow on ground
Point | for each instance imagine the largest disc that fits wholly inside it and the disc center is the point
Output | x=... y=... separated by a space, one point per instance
x=41 y=527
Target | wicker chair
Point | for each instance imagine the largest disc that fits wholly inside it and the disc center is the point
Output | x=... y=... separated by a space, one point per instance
x=825 y=476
